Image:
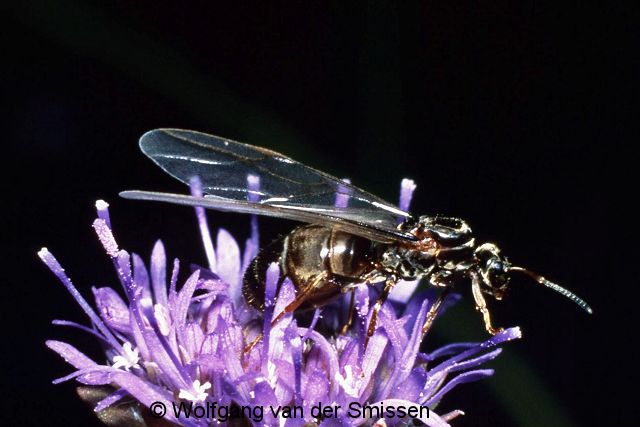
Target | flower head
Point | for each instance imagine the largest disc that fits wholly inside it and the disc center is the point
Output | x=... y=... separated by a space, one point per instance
x=189 y=345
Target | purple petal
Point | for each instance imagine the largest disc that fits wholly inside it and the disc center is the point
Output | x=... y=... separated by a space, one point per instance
x=141 y=280
x=106 y=237
x=285 y=372
x=295 y=345
x=271 y=282
x=253 y=195
x=89 y=372
x=460 y=379
x=415 y=338
x=170 y=366
x=97 y=375
x=181 y=308
x=286 y=296
x=276 y=337
x=123 y=267
x=231 y=359
x=228 y=263
x=71 y=355
x=251 y=249
x=159 y=273
x=110 y=400
x=196 y=191
x=93 y=332
x=191 y=342
x=316 y=388
x=372 y=355
x=450 y=349
x=397 y=337
x=147 y=393
x=504 y=336
x=407 y=186
x=57 y=269
x=174 y=278
x=139 y=342
x=412 y=387
x=362 y=300
x=253 y=188
x=474 y=362
x=265 y=396
x=210 y=362
x=406 y=361
x=112 y=309
x=342 y=195
x=327 y=353
x=316 y=316
x=103 y=212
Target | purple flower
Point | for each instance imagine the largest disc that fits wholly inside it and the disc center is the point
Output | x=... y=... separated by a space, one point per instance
x=185 y=347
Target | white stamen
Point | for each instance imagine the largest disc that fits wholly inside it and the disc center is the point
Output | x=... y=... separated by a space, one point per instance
x=296 y=342
x=130 y=360
x=349 y=383
x=200 y=392
x=272 y=378
x=161 y=313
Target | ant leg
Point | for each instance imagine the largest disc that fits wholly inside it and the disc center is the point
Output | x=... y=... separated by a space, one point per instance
x=346 y=326
x=258 y=338
x=301 y=296
x=252 y=344
x=389 y=284
x=481 y=305
x=433 y=310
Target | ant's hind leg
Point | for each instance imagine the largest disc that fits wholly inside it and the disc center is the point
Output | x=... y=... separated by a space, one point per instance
x=301 y=297
x=349 y=321
x=388 y=285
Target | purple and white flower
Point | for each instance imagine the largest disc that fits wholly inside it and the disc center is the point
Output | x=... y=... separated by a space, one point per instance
x=185 y=346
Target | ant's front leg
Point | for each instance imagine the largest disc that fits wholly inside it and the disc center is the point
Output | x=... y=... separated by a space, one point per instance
x=481 y=305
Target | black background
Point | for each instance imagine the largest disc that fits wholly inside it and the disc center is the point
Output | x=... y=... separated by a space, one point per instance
x=508 y=114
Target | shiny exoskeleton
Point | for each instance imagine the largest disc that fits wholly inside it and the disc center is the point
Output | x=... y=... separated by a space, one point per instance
x=324 y=262
x=308 y=253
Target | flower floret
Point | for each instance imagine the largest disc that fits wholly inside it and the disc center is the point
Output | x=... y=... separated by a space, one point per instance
x=168 y=343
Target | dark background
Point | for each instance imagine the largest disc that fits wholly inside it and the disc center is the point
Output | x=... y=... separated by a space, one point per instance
x=508 y=114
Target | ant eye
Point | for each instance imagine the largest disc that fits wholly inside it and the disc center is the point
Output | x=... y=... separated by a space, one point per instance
x=498 y=266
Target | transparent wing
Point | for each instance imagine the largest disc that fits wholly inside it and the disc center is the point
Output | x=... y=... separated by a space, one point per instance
x=344 y=219
x=288 y=188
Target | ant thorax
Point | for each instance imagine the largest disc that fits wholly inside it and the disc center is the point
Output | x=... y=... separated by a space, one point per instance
x=406 y=262
x=444 y=244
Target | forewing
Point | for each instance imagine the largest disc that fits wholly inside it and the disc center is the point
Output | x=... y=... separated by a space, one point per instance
x=305 y=193
x=344 y=219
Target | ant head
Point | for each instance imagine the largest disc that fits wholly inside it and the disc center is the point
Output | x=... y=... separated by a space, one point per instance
x=493 y=269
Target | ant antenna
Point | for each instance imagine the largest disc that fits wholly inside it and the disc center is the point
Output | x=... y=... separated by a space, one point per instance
x=538 y=278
